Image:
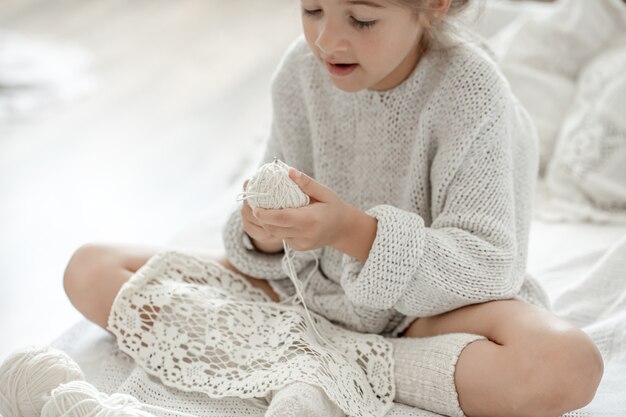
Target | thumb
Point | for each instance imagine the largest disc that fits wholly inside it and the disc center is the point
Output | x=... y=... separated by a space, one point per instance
x=309 y=186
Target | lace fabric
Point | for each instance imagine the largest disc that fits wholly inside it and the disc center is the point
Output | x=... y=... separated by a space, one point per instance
x=199 y=327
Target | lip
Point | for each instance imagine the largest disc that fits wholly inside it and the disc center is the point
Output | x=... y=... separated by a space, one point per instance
x=340 y=70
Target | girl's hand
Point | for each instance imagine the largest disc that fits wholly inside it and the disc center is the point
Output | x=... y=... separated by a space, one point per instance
x=262 y=239
x=323 y=222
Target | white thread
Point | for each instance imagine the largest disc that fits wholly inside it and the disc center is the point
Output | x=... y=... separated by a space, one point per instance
x=81 y=399
x=46 y=382
x=294 y=278
x=29 y=374
x=270 y=187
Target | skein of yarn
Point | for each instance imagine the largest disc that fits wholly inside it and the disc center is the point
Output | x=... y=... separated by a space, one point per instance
x=46 y=382
x=28 y=376
x=81 y=399
x=270 y=187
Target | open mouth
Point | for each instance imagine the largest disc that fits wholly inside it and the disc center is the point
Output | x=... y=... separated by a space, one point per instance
x=340 y=69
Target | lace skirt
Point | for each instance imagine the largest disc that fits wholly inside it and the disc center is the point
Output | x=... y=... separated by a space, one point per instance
x=199 y=327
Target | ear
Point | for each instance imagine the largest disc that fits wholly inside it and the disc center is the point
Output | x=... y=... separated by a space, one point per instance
x=437 y=10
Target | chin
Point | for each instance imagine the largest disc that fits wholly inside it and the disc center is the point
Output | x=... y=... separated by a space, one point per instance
x=348 y=87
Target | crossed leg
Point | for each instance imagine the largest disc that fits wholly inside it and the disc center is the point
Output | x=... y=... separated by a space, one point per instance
x=533 y=363
x=96 y=272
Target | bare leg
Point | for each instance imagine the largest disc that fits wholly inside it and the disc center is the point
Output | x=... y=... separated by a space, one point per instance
x=96 y=272
x=534 y=363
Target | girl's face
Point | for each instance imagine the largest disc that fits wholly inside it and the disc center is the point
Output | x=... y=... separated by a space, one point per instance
x=370 y=44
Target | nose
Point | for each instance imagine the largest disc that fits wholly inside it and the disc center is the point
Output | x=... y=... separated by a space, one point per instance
x=330 y=38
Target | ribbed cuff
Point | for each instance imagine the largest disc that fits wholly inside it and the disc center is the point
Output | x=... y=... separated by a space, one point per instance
x=424 y=371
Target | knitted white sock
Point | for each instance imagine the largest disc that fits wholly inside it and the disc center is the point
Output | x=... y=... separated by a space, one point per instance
x=424 y=371
x=300 y=399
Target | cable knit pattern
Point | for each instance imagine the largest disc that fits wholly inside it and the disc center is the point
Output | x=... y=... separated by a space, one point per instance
x=446 y=162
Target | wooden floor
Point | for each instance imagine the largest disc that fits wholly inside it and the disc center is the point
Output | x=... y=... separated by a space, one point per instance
x=181 y=106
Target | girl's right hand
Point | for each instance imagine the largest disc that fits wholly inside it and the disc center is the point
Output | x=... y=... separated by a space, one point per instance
x=261 y=238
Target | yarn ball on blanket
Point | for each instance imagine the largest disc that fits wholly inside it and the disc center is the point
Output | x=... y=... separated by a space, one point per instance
x=28 y=376
x=270 y=187
x=80 y=399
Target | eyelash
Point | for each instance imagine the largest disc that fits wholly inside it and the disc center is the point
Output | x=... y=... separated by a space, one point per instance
x=358 y=24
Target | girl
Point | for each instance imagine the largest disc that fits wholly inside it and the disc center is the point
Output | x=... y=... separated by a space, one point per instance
x=420 y=167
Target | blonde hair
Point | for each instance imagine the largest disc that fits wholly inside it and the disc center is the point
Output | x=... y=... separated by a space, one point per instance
x=448 y=30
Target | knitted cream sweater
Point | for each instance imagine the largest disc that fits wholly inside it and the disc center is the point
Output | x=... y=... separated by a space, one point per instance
x=446 y=162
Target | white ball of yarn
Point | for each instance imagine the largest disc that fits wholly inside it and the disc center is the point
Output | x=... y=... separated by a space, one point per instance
x=28 y=376
x=270 y=187
x=81 y=399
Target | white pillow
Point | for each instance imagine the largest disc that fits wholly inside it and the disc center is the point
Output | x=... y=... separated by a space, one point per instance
x=589 y=164
x=543 y=54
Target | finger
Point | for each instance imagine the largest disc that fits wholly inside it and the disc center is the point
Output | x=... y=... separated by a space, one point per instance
x=285 y=217
x=245 y=184
x=251 y=221
x=248 y=215
x=309 y=186
x=277 y=232
x=258 y=232
x=270 y=232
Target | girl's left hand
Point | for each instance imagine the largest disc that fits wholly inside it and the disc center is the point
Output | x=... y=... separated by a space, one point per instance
x=323 y=222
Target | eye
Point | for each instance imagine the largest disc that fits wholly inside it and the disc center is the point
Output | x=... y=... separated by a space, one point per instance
x=311 y=12
x=362 y=24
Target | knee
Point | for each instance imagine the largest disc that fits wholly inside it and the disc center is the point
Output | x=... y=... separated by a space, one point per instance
x=560 y=374
x=82 y=270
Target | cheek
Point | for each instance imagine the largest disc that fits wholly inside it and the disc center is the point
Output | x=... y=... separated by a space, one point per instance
x=370 y=49
x=379 y=52
x=310 y=34
x=399 y=45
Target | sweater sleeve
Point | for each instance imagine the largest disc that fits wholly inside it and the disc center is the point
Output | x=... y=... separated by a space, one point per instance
x=467 y=255
x=285 y=115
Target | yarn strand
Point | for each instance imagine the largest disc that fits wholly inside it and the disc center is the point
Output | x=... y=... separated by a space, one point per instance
x=294 y=279
x=271 y=187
